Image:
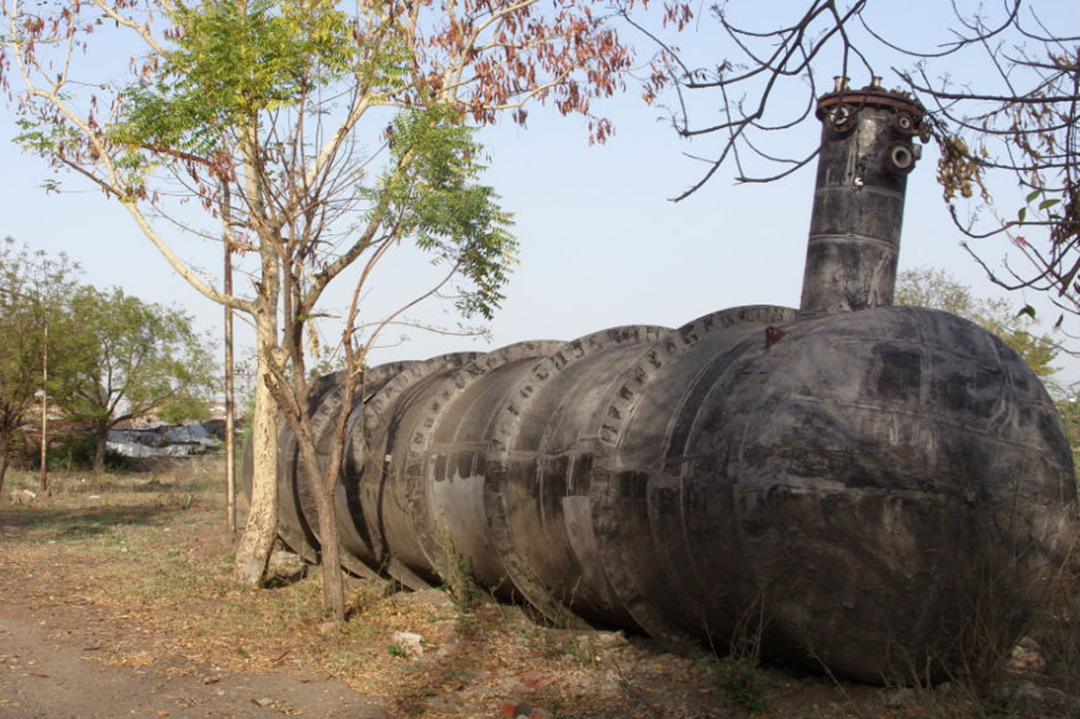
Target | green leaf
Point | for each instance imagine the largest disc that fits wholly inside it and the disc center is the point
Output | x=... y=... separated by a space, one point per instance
x=1026 y=310
x=1022 y=214
x=1033 y=194
x=231 y=61
x=1047 y=204
x=432 y=186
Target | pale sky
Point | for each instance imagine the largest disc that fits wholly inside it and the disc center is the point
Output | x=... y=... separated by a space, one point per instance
x=601 y=243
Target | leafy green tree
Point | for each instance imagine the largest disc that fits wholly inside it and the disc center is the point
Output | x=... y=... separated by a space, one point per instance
x=135 y=358
x=939 y=290
x=33 y=289
x=316 y=136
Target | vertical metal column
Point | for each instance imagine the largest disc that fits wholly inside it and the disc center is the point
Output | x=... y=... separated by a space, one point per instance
x=867 y=150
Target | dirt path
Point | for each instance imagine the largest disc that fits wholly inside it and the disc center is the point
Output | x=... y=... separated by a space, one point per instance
x=46 y=672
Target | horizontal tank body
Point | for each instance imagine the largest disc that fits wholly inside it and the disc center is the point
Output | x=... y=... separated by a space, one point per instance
x=854 y=476
x=854 y=481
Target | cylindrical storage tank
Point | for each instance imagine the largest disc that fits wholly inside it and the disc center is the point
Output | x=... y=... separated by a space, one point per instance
x=874 y=490
x=892 y=482
x=861 y=486
x=675 y=584
x=538 y=489
x=370 y=435
x=418 y=522
x=297 y=498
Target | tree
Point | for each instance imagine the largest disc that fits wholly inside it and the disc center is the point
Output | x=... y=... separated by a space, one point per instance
x=33 y=287
x=134 y=358
x=1012 y=123
x=937 y=289
x=314 y=137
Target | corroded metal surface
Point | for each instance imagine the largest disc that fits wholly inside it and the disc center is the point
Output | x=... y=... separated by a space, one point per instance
x=867 y=150
x=851 y=483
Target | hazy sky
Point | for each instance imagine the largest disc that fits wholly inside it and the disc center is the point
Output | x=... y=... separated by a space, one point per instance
x=601 y=243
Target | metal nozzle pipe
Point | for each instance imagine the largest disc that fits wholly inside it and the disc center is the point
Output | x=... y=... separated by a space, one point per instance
x=867 y=149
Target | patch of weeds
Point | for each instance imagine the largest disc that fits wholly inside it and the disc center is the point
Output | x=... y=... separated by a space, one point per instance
x=300 y=602
x=563 y=616
x=357 y=603
x=455 y=677
x=738 y=674
x=581 y=650
x=555 y=608
x=392 y=586
x=396 y=649
x=456 y=579
x=1056 y=626
x=339 y=663
x=544 y=642
x=740 y=681
x=999 y=598
x=359 y=630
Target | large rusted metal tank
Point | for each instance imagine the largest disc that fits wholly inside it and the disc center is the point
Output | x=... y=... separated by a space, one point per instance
x=864 y=483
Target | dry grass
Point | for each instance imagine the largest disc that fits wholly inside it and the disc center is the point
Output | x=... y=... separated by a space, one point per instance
x=141 y=564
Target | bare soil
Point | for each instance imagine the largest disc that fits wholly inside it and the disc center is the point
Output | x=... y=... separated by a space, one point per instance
x=115 y=600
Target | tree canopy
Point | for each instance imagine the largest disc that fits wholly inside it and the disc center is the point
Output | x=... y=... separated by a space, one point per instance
x=34 y=290
x=100 y=357
x=133 y=358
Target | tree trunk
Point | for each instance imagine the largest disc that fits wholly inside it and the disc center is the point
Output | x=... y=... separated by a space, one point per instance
x=330 y=544
x=261 y=530
x=100 y=442
x=5 y=447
